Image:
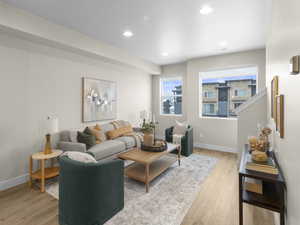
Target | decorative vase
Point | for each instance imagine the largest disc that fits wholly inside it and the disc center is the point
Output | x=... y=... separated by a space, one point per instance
x=148 y=139
x=48 y=149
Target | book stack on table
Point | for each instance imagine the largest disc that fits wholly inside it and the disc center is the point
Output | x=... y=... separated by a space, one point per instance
x=253 y=185
x=264 y=167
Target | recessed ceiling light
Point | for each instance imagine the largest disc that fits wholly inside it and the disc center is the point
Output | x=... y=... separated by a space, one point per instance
x=223 y=44
x=127 y=33
x=206 y=9
x=164 y=54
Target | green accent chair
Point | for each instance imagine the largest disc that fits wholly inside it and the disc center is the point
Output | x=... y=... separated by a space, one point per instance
x=187 y=143
x=90 y=193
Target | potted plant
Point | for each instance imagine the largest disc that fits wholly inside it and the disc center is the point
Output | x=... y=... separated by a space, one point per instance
x=148 y=130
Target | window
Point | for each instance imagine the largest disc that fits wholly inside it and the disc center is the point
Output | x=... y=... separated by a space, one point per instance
x=209 y=94
x=240 y=93
x=237 y=104
x=223 y=91
x=209 y=109
x=171 y=96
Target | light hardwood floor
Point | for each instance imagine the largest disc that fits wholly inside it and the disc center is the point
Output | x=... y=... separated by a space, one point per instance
x=217 y=200
x=216 y=203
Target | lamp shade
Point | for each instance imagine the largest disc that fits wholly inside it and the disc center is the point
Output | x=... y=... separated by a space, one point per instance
x=52 y=125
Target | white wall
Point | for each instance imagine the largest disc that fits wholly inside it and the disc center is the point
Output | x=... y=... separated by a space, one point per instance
x=214 y=133
x=284 y=43
x=249 y=117
x=36 y=80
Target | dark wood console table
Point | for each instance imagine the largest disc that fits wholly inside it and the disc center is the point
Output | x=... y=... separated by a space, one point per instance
x=273 y=197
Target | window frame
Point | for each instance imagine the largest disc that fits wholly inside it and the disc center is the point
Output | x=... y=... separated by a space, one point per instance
x=161 y=95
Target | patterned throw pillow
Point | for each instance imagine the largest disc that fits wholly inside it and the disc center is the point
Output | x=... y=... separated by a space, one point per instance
x=87 y=139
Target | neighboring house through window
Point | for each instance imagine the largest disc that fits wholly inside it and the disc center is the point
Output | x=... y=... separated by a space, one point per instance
x=171 y=96
x=225 y=90
x=209 y=109
x=209 y=94
x=240 y=93
x=237 y=104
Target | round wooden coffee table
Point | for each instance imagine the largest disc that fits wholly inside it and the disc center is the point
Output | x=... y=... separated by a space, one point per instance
x=43 y=173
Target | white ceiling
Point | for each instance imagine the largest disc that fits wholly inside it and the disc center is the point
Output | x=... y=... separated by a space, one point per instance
x=172 y=26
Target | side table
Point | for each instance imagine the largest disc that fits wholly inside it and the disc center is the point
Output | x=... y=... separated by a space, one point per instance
x=274 y=188
x=43 y=173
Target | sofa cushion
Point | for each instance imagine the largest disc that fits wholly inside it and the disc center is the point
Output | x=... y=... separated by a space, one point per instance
x=65 y=135
x=107 y=148
x=87 y=131
x=71 y=146
x=129 y=141
x=119 y=132
x=180 y=128
x=106 y=127
x=87 y=139
x=97 y=127
x=100 y=136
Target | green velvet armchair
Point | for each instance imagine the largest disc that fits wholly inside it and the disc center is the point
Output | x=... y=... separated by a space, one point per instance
x=186 y=141
x=90 y=193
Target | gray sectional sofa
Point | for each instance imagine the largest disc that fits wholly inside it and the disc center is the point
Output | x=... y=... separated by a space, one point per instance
x=67 y=141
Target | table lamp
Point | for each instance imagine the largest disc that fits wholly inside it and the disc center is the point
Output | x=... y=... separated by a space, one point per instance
x=52 y=127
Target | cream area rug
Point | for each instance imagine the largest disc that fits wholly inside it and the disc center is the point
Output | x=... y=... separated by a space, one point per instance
x=170 y=197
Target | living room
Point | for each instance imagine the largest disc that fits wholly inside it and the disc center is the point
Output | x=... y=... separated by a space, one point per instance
x=156 y=101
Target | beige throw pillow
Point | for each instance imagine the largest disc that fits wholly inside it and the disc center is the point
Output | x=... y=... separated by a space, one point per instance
x=112 y=134
x=98 y=133
x=180 y=128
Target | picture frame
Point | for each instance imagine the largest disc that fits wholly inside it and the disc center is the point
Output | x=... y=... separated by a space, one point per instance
x=274 y=93
x=99 y=100
x=280 y=115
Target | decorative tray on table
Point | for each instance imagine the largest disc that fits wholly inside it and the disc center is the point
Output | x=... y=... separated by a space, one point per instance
x=159 y=146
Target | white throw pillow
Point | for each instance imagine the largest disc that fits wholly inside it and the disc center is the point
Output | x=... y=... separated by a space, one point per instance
x=180 y=128
x=80 y=156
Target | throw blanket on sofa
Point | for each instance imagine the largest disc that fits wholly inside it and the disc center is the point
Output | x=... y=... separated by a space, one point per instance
x=137 y=136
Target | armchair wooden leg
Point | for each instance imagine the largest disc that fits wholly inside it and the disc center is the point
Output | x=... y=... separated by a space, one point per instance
x=179 y=155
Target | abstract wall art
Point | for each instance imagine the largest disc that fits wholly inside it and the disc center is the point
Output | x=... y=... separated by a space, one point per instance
x=99 y=100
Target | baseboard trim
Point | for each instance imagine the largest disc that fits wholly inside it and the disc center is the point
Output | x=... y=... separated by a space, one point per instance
x=215 y=147
x=6 y=184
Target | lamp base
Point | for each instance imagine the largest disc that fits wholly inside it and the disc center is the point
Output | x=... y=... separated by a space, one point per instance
x=48 y=149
